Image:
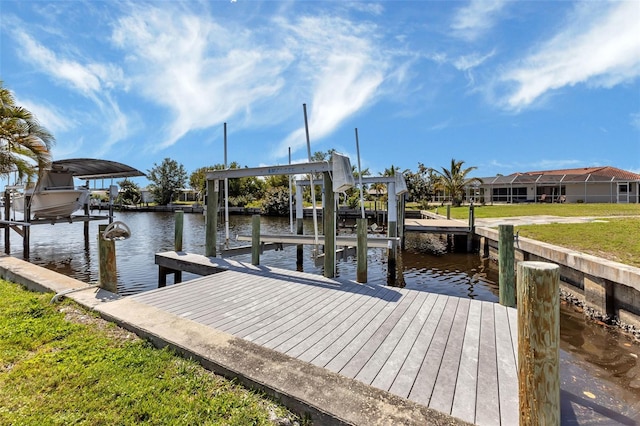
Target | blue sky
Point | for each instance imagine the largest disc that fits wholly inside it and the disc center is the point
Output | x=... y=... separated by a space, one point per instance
x=506 y=86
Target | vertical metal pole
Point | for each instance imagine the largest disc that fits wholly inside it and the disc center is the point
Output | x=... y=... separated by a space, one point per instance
x=7 y=215
x=26 y=229
x=506 y=259
x=211 y=224
x=226 y=193
x=329 y=228
x=360 y=177
x=538 y=343
x=290 y=198
x=313 y=189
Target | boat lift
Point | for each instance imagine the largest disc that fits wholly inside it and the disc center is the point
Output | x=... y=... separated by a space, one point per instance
x=337 y=176
x=82 y=168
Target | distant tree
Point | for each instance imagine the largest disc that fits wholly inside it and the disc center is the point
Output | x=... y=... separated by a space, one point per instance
x=167 y=179
x=129 y=194
x=198 y=181
x=24 y=144
x=421 y=184
x=454 y=180
x=276 y=201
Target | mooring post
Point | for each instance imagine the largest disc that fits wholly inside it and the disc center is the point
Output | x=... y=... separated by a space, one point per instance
x=7 y=216
x=299 y=227
x=472 y=225
x=329 y=225
x=86 y=226
x=538 y=342
x=506 y=260
x=107 y=271
x=179 y=225
x=211 y=223
x=448 y=212
x=255 y=239
x=361 y=273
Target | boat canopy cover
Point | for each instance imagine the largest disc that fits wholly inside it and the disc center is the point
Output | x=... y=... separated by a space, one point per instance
x=91 y=168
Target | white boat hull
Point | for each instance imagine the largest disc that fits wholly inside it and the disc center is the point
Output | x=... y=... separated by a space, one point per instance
x=53 y=204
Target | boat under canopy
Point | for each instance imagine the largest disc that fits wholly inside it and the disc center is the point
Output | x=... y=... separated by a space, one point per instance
x=55 y=196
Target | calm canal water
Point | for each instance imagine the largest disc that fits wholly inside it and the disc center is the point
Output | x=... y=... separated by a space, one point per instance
x=600 y=370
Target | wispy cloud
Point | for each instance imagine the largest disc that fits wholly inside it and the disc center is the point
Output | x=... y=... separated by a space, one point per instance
x=201 y=71
x=345 y=69
x=473 y=20
x=207 y=73
x=467 y=63
x=92 y=80
x=600 y=48
x=635 y=120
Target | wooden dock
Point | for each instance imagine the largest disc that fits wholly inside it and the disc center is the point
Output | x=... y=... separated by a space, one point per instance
x=455 y=355
x=437 y=226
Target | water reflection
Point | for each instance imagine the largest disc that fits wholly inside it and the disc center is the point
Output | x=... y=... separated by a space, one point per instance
x=596 y=359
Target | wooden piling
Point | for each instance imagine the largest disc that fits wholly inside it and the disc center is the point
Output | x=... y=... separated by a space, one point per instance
x=329 y=226
x=391 y=254
x=107 y=270
x=179 y=225
x=472 y=227
x=506 y=259
x=448 y=212
x=538 y=343
x=299 y=228
x=255 y=239
x=361 y=273
x=211 y=223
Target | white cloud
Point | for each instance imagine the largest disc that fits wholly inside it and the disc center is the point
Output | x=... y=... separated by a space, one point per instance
x=345 y=67
x=476 y=18
x=92 y=80
x=635 y=120
x=203 y=72
x=467 y=63
x=207 y=73
x=600 y=48
x=52 y=119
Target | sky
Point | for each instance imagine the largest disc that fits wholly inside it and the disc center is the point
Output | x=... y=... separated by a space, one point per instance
x=505 y=86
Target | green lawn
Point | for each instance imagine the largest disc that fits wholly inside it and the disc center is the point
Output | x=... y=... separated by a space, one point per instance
x=613 y=239
x=564 y=210
x=56 y=371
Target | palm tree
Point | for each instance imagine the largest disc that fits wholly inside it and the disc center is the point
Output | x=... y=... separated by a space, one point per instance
x=24 y=144
x=454 y=180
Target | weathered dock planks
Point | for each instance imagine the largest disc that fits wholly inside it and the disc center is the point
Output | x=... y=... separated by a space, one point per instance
x=451 y=354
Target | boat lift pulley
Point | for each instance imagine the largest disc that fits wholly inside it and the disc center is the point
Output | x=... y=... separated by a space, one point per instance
x=117 y=231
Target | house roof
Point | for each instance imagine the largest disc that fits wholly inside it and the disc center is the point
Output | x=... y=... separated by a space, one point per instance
x=585 y=174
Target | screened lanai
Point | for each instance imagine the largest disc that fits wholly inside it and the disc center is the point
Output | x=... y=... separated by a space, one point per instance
x=584 y=185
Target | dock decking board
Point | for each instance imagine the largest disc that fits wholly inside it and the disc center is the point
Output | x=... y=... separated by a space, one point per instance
x=455 y=355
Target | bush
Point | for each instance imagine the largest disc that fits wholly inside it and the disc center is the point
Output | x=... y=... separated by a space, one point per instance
x=276 y=202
